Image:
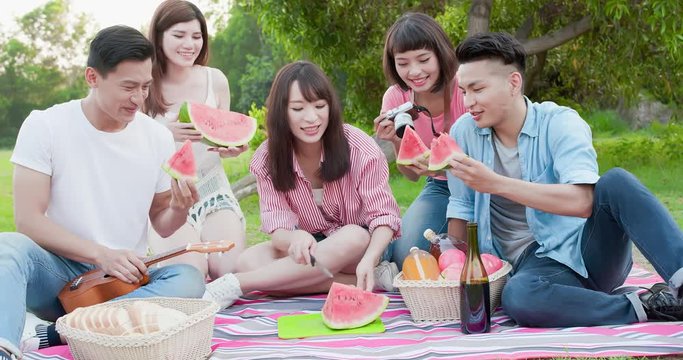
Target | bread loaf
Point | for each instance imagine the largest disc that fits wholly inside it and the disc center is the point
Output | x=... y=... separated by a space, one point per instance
x=137 y=318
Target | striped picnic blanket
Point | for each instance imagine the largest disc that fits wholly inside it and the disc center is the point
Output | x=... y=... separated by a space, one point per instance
x=248 y=330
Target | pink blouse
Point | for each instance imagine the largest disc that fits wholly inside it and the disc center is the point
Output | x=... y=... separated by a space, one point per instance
x=395 y=96
x=362 y=196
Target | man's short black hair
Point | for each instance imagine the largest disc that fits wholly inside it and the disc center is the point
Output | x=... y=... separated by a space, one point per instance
x=492 y=45
x=115 y=44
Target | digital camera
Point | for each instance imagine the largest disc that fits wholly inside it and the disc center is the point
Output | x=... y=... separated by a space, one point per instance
x=402 y=116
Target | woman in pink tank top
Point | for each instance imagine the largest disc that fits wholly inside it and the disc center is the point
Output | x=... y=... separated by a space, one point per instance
x=419 y=62
x=178 y=31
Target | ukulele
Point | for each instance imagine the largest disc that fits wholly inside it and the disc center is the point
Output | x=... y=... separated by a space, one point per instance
x=95 y=286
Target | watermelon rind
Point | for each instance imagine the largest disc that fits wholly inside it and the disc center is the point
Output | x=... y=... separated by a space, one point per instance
x=184 y=116
x=446 y=147
x=177 y=175
x=172 y=165
x=348 y=307
x=412 y=161
x=412 y=149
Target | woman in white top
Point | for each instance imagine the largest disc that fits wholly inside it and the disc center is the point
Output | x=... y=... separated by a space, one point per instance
x=179 y=33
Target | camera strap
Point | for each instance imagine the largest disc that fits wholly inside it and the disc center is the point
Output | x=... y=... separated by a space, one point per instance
x=420 y=109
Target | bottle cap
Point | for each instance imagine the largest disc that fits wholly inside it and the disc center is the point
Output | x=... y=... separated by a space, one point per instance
x=430 y=235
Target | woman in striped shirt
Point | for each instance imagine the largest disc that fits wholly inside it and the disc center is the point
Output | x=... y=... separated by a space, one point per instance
x=324 y=191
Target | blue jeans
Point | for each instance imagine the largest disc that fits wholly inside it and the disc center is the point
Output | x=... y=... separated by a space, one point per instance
x=544 y=293
x=32 y=277
x=428 y=211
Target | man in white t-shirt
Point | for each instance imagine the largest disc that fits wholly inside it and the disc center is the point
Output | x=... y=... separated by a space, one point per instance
x=87 y=181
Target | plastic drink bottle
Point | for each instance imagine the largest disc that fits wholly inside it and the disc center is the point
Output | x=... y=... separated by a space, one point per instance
x=420 y=265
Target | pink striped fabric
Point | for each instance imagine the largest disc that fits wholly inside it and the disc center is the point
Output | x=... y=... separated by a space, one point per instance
x=248 y=330
x=362 y=197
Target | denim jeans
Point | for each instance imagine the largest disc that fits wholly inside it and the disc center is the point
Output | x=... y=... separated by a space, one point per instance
x=32 y=277
x=428 y=211
x=544 y=293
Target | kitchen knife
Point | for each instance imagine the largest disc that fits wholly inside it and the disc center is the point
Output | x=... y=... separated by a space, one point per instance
x=320 y=266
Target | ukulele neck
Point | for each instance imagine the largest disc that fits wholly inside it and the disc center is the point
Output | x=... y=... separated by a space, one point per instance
x=165 y=256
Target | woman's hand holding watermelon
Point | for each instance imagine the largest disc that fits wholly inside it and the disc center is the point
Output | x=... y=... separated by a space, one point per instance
x=184 y=131
x=420 y=167
x=231 y=151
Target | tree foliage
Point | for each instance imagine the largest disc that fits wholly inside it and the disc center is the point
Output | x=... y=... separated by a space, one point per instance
x=596 y=52
x=588 y=53
x=344 y=37
x=591 y=53
x=35 y=70
x=231 y=48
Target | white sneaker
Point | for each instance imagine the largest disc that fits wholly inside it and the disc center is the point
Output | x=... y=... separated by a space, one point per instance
x=29 y=344
x=30 y=325
x=29 y=339
x=384 y=276
x=224 y=290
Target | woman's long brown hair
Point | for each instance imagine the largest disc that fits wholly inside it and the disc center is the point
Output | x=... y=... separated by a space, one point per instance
x=314 y=86
x=167 y=14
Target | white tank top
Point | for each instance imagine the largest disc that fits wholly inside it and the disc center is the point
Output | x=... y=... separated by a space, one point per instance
x=208 y=162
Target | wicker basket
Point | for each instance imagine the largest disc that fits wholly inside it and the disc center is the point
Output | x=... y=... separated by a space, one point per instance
x=189 y=340
x=439 y=300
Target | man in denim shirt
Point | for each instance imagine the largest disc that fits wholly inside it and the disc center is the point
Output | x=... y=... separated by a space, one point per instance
x=531 y=183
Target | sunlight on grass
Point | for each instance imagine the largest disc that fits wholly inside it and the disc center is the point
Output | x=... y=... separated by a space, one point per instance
x=662 y=179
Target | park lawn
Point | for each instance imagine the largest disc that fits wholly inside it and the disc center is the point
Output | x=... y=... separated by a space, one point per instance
x=662 y=179
x=6 y=210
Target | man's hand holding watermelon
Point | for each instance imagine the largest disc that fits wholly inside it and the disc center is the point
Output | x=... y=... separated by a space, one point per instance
x=476 y=175
x=183 y=195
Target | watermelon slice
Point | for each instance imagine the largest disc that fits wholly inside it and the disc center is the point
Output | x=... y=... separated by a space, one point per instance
x=443 y=150
x=181 y=165
x=348 y=307
x=219 y=127
x=412 y=148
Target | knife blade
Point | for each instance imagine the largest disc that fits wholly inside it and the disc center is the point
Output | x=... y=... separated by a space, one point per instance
x=320 y=266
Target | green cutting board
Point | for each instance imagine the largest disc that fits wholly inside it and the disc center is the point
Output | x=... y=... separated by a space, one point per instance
x=307 y=325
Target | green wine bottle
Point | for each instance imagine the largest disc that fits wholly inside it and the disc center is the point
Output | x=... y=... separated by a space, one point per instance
x=475 y=300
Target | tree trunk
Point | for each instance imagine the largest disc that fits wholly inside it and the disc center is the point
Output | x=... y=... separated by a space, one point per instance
x=524 y=31
x=244 y=187
x=478 y=17
x=535 y=72
x=387 y=148
x=559 y=37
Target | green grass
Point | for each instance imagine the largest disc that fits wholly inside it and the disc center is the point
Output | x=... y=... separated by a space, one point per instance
x=606 y=124
x=661 y=178
x=6 y=210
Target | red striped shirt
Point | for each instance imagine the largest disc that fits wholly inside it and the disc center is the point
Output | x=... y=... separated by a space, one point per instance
x=361 y=197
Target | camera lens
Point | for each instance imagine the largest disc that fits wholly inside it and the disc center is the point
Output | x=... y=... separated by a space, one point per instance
x=401 y=121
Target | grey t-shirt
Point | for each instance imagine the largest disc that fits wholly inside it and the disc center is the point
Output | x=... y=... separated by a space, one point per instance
x=509 y=226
